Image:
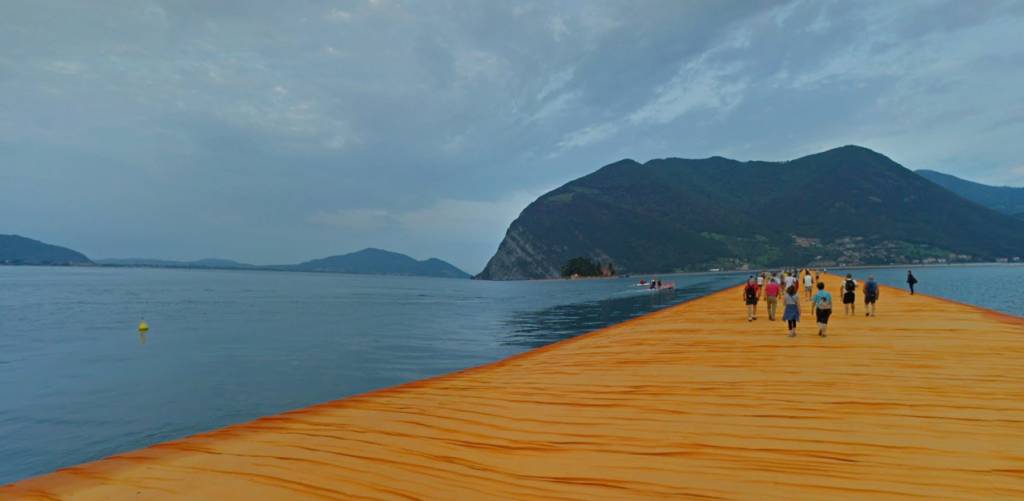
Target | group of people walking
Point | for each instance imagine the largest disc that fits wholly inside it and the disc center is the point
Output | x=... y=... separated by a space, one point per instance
x=784 y=287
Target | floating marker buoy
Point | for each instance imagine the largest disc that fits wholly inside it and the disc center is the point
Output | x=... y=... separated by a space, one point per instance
x=143 y=326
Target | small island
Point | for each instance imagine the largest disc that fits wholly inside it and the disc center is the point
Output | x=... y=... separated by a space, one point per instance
x=581 y=267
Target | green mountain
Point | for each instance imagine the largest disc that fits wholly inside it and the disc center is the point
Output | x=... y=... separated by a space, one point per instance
x=16 y=249
x=1004 y=199
x=849 y=205
x=380 y=262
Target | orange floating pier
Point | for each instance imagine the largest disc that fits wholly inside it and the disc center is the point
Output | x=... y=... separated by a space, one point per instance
x=924 y=401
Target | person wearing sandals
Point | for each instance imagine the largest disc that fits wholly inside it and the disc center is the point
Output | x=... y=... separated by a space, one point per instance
x=791 y=314
x=822 y=302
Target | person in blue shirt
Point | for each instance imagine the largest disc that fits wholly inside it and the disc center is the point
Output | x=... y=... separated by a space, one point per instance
x=822 y=302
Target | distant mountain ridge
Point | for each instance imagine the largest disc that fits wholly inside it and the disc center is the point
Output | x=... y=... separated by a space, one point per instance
x=848 y=205
x=168 y=263
x=369 y=261
x=381 y=262
x=1005 y=199
x=16 y=249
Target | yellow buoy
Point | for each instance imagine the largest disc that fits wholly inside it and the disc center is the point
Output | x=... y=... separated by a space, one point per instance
x=143 y=326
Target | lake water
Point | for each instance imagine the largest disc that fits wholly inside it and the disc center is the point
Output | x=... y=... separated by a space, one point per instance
x=79 y=382
x=997 y=287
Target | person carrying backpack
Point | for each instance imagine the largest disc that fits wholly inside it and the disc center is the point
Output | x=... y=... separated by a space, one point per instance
x=871 y=291
x=750 y=296
x=822 y=302
x=849 y=295
x=911 y=280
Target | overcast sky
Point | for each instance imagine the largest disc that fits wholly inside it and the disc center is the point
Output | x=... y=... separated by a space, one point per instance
x=275 y=132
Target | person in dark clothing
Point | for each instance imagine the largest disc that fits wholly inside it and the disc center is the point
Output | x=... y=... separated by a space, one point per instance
x=848 y=289
x=871 y=292
x=751 y=293
x=911 y=280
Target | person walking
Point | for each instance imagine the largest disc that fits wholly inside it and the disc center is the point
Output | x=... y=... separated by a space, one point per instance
x=849 y=290
x=822 y=302
x=808 y=282
x=791 y=314
x=911 y=281
x=750 y=296
x=772 y=290
x=871 y=291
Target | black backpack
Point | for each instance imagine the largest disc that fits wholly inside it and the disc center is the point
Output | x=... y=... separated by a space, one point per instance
x=751 y=292
x=850 y=285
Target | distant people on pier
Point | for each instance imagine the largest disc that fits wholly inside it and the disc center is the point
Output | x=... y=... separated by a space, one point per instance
x=871 y=291
x=822 y=302
x=791 y=313
x=849 y=291
x=911 y=281
x=808 y=282
x=751 y=293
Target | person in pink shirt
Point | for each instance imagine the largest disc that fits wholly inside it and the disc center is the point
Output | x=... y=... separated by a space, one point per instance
x=772 y=291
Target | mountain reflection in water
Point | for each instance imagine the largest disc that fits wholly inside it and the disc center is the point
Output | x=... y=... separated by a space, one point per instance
x=532 y=329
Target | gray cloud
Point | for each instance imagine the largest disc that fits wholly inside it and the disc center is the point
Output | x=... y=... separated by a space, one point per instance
x=278 y=131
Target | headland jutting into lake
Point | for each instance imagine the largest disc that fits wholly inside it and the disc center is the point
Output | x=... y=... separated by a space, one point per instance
x=920 y=401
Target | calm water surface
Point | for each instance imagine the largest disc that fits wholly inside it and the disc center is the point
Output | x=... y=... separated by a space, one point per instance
x=997 y=287
x=79 y=383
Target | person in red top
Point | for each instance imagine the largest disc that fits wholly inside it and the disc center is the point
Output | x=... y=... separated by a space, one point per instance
x=751 y=293
x=772 y=291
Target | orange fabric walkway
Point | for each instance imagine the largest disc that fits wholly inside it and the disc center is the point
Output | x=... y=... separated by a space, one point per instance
x=924 y=401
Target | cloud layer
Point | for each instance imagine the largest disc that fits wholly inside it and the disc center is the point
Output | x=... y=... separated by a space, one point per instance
x=281 y=131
